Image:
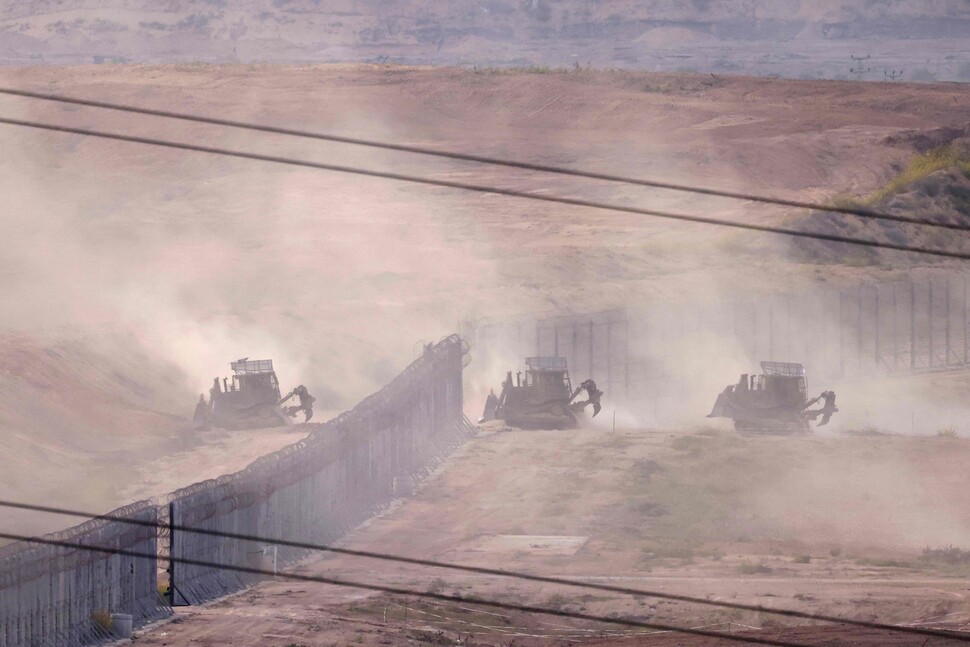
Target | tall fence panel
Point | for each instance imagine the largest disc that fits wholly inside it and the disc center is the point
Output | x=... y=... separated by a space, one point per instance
x=51 y=595
x=324 y=485
x=651 y=357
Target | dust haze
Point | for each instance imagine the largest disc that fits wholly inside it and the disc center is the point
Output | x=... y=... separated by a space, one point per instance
x=133 y=275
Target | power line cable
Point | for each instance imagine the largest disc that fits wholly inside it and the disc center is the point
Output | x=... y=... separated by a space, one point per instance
x=508 y=606
x=481 y=159
x=480 y=570
x=484 y=189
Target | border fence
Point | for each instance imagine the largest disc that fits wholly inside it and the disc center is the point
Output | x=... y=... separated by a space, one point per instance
x=638 y=355
x=54 y=596
x=312 y=491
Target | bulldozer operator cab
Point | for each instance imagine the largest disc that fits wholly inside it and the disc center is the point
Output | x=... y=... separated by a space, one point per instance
x=781 y=382
x=253 y=382
x=545 y=378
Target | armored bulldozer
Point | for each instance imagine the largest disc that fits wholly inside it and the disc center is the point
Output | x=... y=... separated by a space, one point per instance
x=250 y=399
x=773 y=402
x=542 y=398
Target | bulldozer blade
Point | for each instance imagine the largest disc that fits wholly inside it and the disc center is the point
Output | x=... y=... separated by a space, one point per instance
x=596 y=408
x=491 y=406
x=720 y=409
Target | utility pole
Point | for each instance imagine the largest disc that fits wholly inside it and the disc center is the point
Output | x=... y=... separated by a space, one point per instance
x=771 y=331
x=860 y=66
x=841 y=336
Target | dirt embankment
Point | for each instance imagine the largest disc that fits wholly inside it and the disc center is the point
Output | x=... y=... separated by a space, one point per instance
x=933 y=187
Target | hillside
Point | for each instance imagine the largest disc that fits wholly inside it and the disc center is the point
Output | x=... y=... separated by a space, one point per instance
x=934 y=186
x=97 y=421
x=795 y=38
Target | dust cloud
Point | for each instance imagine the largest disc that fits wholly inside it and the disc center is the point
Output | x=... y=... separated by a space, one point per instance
x=206 y=261
x=179 y=264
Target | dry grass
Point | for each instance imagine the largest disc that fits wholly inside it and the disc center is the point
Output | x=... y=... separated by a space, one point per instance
x=950 y=555
x=937 y=159
x=753 y=568
x=102 y=618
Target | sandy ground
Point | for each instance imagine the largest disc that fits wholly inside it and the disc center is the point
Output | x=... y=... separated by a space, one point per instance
x=688 y=513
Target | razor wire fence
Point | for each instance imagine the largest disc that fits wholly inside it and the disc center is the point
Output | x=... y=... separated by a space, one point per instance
x=312 y=491
x=316 y=490
x=56 y=596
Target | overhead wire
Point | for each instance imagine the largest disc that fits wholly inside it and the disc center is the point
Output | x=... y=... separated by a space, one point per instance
x=481 y=570
x=576 y=202
x=482 y=159
x=509 y=193
x=394 y=590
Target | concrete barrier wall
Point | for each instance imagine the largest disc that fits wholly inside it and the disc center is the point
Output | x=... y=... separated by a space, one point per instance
x=319 y=488
x=51 y=595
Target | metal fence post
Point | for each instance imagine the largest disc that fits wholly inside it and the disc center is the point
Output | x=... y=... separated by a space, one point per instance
x=912 y=325
x=876 y=354
x=895 y=328
x=929 y=321
x=858 y=332
x=841 y=334
x=946 y=361
x=790 y=341
x=609 y=353
x=572 y=356
x=753 y=331
x=626 y=354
